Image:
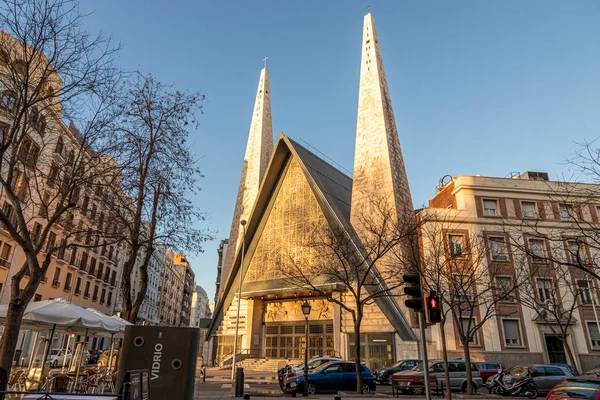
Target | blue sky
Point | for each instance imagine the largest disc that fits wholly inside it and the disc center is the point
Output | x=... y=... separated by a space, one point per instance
x=478 y=87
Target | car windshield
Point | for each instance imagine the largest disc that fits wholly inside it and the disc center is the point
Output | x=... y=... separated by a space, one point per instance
x=419 y=366
x=397 y=364
x=577 y=389
x=322 y=366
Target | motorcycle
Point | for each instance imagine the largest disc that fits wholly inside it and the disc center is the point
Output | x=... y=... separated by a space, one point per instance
x=286 y=388
x=519 y=386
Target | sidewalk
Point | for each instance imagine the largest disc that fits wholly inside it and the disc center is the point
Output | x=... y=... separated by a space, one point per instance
x=254 y=377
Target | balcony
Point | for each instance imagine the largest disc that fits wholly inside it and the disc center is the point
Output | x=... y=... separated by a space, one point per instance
x=113 y=281
x=55 y=283
x=86 y=295
x=109 y=303
x=4 y=263
x=67 y=288
x=95 y=298
x=77 y=292
x=101 y=301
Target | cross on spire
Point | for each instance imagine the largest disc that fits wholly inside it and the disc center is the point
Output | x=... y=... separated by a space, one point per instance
x=265 y=61
x=368 y=8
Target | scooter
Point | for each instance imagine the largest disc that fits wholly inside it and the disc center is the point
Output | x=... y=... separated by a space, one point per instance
x=286 y=388
x=520 y=386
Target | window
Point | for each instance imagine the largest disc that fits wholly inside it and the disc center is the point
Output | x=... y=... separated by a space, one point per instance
x=574 y=252
x=95 y=297
x=544 y=289
x=462 y=287
x=536 y=248
x=4 y=132
x=37 y=297
x=468 y=325
x=102 y=296
x=55 y=280
x=566 y=212
x=585 y=292
x=78 y=286
x=59 y=146
x=29 y=151
x=456 y=244
x=51 y=241
x=5 y=255
x=498 y=249
x=109 y=301
x=68 y=281
x=86 y=294
x=594 y=334
x=528 y=208
x=490 y=208
x=8 y=101
x=512 y=336
x=37 y=229
x=504 y=288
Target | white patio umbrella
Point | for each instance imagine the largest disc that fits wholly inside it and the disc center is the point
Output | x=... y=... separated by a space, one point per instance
x=64 y=316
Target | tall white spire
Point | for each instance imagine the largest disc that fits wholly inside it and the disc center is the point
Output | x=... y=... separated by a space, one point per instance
x=258 y=153
x=379 y=171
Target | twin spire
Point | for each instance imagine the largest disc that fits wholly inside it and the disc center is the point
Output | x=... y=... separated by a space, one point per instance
x=379 y=170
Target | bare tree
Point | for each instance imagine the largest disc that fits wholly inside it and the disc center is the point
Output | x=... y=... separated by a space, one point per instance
x=47 y=62
x=461 y=265
x=366 y=268
x=159 y=176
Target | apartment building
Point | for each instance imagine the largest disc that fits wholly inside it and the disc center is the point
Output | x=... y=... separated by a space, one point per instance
x=534 y=228
x=171 y=293
x=188 y=289
x=221 y=251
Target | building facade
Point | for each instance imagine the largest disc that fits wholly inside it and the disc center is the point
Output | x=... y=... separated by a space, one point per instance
x=171 y=292
x=221 y=251
x=286 y=192
x=530 y=228
x=200 y=306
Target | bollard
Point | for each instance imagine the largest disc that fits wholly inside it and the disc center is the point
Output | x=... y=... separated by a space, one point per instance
x=204 y=374
x=246 y=396
x=239 y=382
x=337 y=398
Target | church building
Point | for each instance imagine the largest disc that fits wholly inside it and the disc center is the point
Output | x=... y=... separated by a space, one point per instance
x=285 y=189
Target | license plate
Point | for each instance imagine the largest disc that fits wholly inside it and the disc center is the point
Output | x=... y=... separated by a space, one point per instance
x=292 y=384
x=404 y=383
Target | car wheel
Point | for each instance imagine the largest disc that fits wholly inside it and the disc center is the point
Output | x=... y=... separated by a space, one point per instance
x=366 y=389
x=311 y=389
x=417 y=391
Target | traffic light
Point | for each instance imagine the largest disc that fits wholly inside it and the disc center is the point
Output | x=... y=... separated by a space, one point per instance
x=415 y=290
x=433 y=308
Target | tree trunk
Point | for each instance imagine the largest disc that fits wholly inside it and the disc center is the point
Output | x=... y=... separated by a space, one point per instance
x=445 y=355
x=14 y=316
x=570 y=355
x=357 y=352
x=467 y=353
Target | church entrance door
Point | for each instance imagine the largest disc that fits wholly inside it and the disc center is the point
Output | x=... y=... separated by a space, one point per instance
x=287 y=339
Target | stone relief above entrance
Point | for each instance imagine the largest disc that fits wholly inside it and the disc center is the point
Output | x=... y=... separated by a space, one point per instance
x=291 y=310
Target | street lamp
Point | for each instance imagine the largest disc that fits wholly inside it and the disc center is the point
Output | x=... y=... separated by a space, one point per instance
x=306 y=312
x=239 y=296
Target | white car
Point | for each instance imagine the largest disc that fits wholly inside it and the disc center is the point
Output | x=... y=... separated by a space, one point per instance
x=57 y=357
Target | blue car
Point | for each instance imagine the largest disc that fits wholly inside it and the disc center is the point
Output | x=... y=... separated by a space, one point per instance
x=336 y=376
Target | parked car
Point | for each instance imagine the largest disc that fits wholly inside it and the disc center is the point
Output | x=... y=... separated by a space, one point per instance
x=94 y=355
x=335 y=376
x=569 y=367
x=545 y=376
x=411 y=381
x=56 y=358
x=105 y=356
x=312 y=364
x=384 y=375
x=576 y=388
x=487 y=369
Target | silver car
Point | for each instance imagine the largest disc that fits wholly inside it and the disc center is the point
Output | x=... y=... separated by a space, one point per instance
x=411 y=381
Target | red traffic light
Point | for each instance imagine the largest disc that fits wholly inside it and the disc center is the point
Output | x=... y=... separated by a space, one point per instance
x=433 y=303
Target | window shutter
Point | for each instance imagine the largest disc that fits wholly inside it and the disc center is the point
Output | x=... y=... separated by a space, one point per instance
x=511 y=331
